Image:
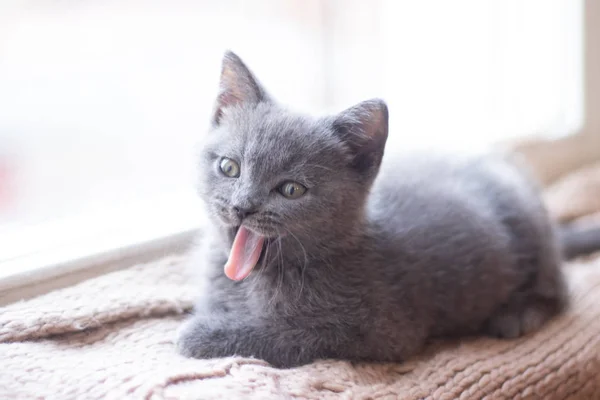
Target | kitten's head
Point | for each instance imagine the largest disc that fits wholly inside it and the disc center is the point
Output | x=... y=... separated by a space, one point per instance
x=278 y=173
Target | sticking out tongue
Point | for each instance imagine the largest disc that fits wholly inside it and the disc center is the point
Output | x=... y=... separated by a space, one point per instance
x=244 y=254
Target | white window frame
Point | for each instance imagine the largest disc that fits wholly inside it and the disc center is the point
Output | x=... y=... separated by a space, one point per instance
x=552 y=159
x=119 y=240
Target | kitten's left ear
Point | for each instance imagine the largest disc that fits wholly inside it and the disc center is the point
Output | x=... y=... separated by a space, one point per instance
x=237 y=86
x=364 y=128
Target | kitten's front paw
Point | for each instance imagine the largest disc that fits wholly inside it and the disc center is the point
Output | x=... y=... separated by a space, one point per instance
x=197 y=340
x=183 y=339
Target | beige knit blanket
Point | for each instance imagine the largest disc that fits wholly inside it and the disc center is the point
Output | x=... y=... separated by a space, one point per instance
x=112 y=338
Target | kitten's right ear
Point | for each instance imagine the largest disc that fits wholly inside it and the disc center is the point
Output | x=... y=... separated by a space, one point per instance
x=364 y=129
x=237 y=86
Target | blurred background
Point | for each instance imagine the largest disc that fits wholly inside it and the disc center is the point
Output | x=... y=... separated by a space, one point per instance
x=102 y=102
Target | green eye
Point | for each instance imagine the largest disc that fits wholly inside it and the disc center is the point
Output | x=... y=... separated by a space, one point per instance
x=292 y=190
x=230 y=168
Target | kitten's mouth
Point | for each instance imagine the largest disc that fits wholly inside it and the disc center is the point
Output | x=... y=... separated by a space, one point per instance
x=245 y=253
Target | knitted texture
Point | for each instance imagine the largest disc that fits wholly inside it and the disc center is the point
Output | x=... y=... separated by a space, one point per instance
x=575 y=195
x=112 y=338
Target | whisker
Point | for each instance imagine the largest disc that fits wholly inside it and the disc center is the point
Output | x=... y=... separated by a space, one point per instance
x=270 y=214
x=264 y=266
x=303 y=268
x=279 y=273
x=267 y=221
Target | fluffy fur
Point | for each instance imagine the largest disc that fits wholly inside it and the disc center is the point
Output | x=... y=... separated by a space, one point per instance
x=368 y=264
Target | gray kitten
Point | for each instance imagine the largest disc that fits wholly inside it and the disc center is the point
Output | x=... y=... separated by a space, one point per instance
x=314 y=252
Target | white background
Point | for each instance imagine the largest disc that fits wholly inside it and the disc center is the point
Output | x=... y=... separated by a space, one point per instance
x=102 y=102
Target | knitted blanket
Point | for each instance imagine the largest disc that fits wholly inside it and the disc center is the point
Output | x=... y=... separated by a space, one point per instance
x=112 y=338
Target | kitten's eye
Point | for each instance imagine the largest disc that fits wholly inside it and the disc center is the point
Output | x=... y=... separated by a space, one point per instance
x=230 y=168
x=292 y=190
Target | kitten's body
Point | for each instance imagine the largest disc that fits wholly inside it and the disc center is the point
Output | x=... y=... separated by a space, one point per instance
x=365 y=266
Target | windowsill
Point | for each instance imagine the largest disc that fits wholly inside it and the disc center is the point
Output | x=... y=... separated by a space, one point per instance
x=52 y=255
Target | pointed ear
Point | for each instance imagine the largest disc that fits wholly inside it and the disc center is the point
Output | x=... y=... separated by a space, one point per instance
x=237 y=86
x=364 y=128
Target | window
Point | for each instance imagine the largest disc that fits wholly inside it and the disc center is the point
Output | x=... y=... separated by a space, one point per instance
x=101 y=103
x=463 y=73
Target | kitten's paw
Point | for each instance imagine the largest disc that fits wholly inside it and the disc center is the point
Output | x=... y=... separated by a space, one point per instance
x=183 y=339
x=512 y=323
x=197 y=340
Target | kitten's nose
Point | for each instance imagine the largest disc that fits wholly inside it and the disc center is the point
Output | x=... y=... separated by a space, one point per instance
x=243 y=212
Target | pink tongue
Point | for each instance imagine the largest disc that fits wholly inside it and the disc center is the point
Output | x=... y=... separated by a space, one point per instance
x=244 y=254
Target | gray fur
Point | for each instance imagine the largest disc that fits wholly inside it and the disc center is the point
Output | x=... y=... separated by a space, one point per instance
x=368 y=264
